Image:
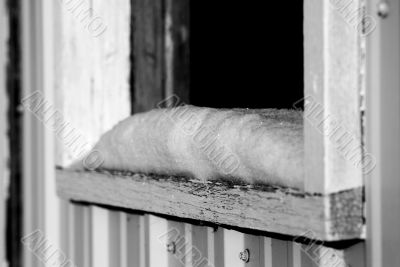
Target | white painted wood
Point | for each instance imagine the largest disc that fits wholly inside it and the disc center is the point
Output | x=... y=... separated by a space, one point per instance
x=92 y=90
x=4 y=150
x=156 y=247
x=333 y=83
x=321 y=216
x=92 y=85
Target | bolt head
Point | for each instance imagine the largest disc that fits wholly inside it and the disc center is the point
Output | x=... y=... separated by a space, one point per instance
x=245 y=255
x=383 y=9
x=171 y=247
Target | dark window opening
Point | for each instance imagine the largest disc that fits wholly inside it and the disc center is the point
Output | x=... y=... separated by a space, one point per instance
x=246 y=55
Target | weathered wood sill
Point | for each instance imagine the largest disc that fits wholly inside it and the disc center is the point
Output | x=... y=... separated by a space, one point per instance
x=286 y=211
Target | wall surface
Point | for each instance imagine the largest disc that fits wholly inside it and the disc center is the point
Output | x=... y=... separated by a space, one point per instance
x=4 y=145
x=97 y=76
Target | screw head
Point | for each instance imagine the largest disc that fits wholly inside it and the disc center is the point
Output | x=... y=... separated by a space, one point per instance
x=383 y=9
x=171 y=247
x=245 y=255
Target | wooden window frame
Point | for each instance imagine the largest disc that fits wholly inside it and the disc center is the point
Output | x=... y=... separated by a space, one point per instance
x=330 y=181
x=319 y=71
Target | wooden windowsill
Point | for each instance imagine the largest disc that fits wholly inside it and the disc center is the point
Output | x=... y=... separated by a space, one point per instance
x=331 y=217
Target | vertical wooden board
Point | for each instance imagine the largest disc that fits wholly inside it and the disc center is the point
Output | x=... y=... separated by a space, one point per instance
x=279 y=253
x=148 y=50
x=100 y=237
x=4 y=172
x=177 y=243
x=156 y=241
x=92 y=86
x=135 y=240
x=93 y=74
x=161 y=51
x=332 y=117
x=314 y=75
x=343 y=93
x=177 y=49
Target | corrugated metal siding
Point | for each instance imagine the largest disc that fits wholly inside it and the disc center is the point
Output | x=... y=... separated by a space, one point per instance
x=98 y=237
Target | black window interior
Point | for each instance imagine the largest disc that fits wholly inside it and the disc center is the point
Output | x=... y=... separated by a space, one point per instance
x=246 y=54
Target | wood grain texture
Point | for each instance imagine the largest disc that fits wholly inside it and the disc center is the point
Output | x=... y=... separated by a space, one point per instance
x=177 y=49
x=92 y=89
x=255 y=207
x=332 y=120
x=4 y=150
x=92 y=76
x=148 y=54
